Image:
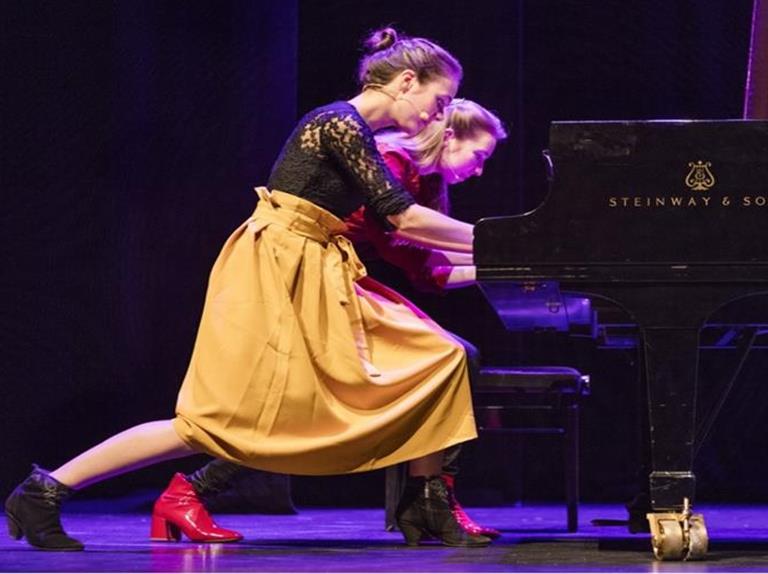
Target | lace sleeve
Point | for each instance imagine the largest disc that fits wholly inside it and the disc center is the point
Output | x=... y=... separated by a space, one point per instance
x=351 y=144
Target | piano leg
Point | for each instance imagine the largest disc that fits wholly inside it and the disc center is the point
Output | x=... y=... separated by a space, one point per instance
x=671 y=359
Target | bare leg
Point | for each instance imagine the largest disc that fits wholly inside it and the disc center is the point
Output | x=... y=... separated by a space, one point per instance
x=134 y=448
x=429 y=465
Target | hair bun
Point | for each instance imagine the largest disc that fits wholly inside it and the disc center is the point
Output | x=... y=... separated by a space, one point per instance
x=380 y=40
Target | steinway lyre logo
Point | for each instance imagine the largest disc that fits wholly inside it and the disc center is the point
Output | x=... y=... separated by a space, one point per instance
x=700 y=178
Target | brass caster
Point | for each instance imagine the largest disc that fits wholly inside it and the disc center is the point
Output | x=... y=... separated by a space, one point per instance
x=698 y=539
x=667 y=537
x=678 y=535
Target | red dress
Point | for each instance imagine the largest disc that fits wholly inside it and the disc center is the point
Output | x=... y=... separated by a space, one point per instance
x=372 y=242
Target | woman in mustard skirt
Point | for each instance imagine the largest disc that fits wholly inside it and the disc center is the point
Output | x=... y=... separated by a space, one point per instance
x=296 y=367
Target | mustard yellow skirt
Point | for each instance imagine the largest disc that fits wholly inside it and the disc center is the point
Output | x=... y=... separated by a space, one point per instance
x=303 y=365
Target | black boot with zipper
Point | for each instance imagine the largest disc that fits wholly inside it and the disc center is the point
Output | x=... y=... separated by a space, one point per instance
x=425 y=511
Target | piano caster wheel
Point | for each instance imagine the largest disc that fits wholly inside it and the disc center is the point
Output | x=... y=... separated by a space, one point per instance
x=698 y=538
x=667 y=539
x=678 y=535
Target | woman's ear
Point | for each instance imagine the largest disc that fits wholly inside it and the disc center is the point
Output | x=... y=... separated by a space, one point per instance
x=448 y=134
x=407 y=79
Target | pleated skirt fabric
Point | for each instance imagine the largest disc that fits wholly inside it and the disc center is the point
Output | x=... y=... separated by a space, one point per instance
x=303 y=365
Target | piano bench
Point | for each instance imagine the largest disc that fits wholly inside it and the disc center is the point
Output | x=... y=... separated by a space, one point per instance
x=521 y=400
x=536 y=400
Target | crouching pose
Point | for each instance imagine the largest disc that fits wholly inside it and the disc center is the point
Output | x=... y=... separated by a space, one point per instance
x=448 y=151
x=297 y=368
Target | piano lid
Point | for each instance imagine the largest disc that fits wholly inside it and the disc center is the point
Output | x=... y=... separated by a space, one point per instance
x=643 y=193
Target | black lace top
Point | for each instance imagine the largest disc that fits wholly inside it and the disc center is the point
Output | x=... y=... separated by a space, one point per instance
x=331 y=160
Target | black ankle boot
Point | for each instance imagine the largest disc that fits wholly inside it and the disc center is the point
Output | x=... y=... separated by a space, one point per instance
x=425 y=510
x=32 y=510
x=213 y=477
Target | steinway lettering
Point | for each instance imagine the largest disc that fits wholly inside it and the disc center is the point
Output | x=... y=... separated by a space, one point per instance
x=680 y=201
x=757 y=200
x=659 y=201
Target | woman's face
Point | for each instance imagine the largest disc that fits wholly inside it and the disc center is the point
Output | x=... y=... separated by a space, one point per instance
x=463 y=158
x=418 y=104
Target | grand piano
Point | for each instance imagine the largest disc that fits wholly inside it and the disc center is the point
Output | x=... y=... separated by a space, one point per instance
x=668 y=220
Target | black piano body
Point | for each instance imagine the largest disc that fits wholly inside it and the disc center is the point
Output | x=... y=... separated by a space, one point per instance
x=667 y=219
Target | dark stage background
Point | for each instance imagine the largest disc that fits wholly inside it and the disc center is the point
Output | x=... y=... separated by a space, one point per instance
x=133 y=133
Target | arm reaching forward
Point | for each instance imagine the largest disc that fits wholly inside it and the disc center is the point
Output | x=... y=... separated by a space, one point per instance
x=433 y=229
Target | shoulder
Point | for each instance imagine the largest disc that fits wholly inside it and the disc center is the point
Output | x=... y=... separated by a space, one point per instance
x=396 y=158
x=336 y=126
x=337 y=114
x=393 y=152
x=401 y=165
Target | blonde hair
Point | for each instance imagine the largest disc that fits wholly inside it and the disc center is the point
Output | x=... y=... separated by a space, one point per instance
x=389 y=53
x=466 y=118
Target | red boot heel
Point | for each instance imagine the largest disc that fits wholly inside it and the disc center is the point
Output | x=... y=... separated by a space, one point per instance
x=164 y=531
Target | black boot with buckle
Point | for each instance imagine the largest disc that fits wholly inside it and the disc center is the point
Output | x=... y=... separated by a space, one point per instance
x=425 y=511
x=33 y=511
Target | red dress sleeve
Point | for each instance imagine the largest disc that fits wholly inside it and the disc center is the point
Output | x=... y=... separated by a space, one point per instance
x=364 y=228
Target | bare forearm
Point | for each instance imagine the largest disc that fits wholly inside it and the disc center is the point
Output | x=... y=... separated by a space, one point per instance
x=433 y=229
x=459 y=276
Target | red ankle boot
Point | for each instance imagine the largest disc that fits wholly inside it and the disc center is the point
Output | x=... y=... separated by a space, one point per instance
x=467 y=524
x=178 y=509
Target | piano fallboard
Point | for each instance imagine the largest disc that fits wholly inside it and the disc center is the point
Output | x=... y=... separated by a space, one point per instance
x=640 y=193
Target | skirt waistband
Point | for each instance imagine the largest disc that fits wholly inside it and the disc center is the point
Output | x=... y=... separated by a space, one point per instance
x=298 y=214
x=307 y=219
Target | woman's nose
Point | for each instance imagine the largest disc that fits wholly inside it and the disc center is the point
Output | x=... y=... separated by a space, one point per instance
x=479 y=170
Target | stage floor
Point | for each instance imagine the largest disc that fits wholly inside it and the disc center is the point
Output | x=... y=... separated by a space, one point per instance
x=353 y=540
